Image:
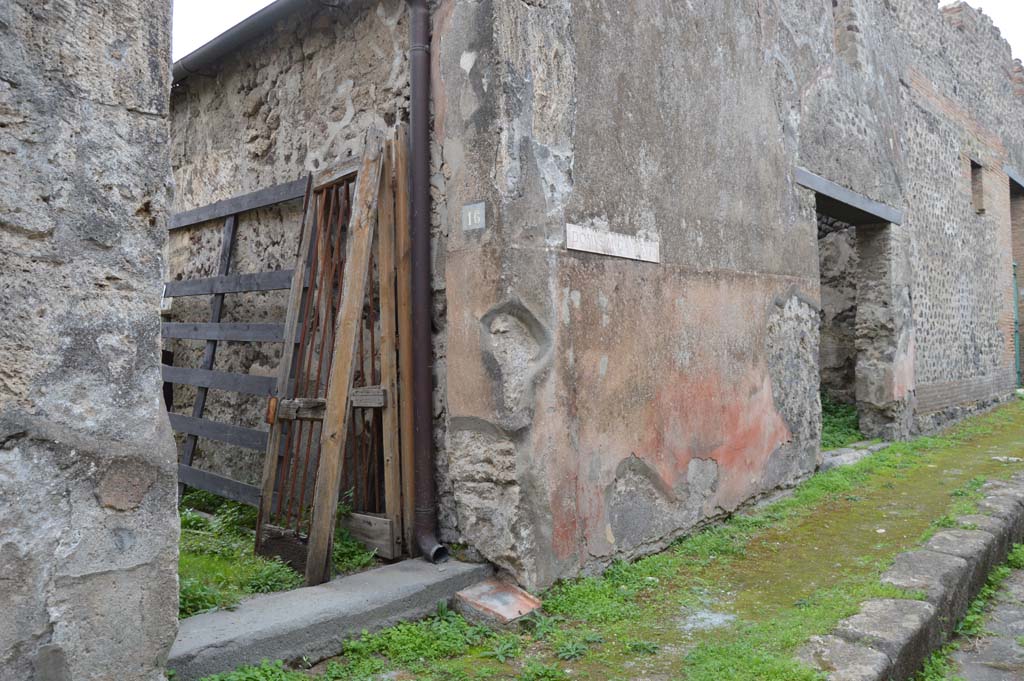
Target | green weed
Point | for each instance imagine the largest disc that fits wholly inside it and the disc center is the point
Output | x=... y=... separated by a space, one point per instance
x=571 y=650
x=535 y=670
x=939 y=667
x=268 y=671
x=840 y=425
x=506 y=648
x=642 y=647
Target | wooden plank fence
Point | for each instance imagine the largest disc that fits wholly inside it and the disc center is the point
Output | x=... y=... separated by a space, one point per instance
x=339 y=407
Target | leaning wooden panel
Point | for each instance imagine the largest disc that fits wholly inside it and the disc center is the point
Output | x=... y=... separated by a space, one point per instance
x=338 y=412
x=285 y=367
x=403 y=242
x=388 y=359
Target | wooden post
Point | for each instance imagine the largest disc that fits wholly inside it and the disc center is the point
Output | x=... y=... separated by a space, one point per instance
x=338 y=410
x=403 y=242
x=388 y=357
x=285 y=369
x=227 y=242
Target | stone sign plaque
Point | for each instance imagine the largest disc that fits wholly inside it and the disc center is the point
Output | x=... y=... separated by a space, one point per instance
x=474 y=216
x=579 y=238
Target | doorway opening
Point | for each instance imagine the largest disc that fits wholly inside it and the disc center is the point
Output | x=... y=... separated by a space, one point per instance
x=866 y=354
x=1017 y=248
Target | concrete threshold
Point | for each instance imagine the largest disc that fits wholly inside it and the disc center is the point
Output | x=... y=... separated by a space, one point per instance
x=313 y=622
x=891 y=639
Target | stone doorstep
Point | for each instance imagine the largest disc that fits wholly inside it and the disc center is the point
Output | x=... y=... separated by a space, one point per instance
x=313 y=622
x=847 y=456
x=495 y=602
x=891 y=639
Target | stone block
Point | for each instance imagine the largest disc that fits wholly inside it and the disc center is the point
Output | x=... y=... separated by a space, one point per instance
x=495 y=602
x=905 y=631
x=845 y=661
x=976 y=547
x=1006 y=509
x=849 y=458
x=312 y=623
x=944 y=578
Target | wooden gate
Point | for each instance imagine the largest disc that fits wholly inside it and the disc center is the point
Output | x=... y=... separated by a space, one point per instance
x=338 y=403
x=204 y=377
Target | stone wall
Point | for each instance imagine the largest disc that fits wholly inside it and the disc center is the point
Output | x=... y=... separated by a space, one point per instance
x=587 y=407
x=297 y=101
x=599 y=407
x=88 y=525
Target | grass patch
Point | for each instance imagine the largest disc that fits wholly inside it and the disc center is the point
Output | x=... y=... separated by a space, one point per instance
x=779 y=575
x=217 y=566
x=840 y=425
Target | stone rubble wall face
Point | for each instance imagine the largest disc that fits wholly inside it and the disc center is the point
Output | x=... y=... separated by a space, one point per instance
x=88 y=522
x=837 y=257
x=297 y=101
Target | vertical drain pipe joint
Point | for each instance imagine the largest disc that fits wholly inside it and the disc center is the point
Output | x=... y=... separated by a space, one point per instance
x=422 y=308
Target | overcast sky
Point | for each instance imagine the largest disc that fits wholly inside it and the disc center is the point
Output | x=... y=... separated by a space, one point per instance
x=199 y=21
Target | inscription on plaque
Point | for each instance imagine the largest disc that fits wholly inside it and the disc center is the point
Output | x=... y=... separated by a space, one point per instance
x=580 y=238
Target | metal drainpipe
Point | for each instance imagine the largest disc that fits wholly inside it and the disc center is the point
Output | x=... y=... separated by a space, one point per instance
x=423 y=398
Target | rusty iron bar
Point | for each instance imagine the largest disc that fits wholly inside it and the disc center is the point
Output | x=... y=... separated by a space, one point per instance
x=317 y=323
x=306 y=351
x=331 y=312
x=317 y=227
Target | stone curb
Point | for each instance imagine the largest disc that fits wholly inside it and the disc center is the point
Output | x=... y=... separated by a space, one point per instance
x=313 y=622
x=889 y=640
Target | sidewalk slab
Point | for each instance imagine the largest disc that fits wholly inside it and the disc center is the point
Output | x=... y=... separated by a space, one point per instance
x=313 y=622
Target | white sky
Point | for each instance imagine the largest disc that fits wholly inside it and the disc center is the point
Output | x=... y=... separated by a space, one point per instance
x=196 y=22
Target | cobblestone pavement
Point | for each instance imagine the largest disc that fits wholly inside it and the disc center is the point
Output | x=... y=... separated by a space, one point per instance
x=999 y=655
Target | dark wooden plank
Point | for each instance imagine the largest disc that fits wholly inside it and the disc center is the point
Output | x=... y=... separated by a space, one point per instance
x=227 y=243
x=334 y=431
x=403 y=301
x=388 y=347
x=234 y=331
x=336 y=174
x=865 y=210
x=260 y=198
x=302 y=408
x=206 y=378
x=285 y=384
x=250 y=438
x=233 y=283
x=376 y=532
x=219 y=485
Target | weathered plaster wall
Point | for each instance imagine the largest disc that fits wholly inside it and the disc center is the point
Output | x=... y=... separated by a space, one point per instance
x=88 y=525
x=600 y=407
x=296 y=101
x=623 y=402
